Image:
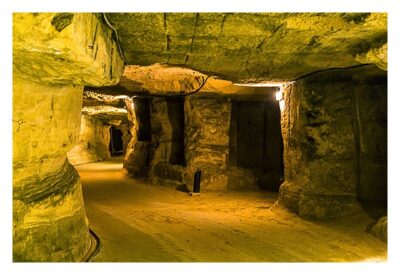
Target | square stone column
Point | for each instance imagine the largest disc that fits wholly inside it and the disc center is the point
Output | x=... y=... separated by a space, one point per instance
x=207 y=141
x=324 y=139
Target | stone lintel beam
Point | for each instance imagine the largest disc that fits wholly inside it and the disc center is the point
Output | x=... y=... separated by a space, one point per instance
x=98 y=99
x=107 y=114
x=65 y=49
x=161 y=79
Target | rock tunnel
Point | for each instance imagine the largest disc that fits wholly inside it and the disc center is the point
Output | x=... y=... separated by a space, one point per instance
x=285 y=115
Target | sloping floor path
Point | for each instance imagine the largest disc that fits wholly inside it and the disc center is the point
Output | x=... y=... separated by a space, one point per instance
x=137 y=222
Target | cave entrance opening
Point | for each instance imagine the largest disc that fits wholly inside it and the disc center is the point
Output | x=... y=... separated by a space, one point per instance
x=116 y=143
x=256 y=142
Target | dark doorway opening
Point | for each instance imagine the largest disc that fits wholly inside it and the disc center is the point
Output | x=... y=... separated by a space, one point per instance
x=116 y=144
x=142 y=111
x=176 y=118
x=256 y=141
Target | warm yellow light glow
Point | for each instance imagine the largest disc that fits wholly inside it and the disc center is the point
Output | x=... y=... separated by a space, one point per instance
x=262 y=84
x=377 y=259
x=282 y=105
x=279 y=95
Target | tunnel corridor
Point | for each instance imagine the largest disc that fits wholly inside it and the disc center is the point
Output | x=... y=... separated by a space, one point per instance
x=283 y=115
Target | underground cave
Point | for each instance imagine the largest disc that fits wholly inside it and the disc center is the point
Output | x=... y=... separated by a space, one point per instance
x=284 y=115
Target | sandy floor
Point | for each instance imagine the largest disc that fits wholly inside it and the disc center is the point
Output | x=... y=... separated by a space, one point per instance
x=137 y=222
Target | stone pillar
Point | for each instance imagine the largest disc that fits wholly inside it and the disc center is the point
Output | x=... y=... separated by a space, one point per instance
x=322 y=144
x=54 y=56
x=93 y=143
x=47 y=191
x=167 y=131
x=207 y=141
x=136 y=159
x=233 y=135
x=166 y=154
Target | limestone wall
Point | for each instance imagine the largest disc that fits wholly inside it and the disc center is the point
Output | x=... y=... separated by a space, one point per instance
x=136 y=158
x=54 y=55
x=207 y=141
x=327 y=150
x=93 y=143
x=166 y=154
x=49 y=216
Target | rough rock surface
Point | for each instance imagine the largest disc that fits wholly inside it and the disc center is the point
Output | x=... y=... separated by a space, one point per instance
x=329 y=131
x=379 y=229
x=377 y=56
x=163 y=79
x=166 y=154
x=241 y=179
x=94 y=137
x=136 y=160
x=65 y=49
x=47 y=195
x=207 y=141
x=93 y=142
x=54 y=55
x=259 y=46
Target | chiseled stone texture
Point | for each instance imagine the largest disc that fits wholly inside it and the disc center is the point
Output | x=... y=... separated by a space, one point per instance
x=166 y=154
x=207 y=141
x=250 y=46
x=376 y=56
x=65 y=49
x=162 y=132
x=93 y=143
x=325 y=142
x=379 y=229
x=49 y=216
x=54 y=55
x=241 y=179
x=136 y=159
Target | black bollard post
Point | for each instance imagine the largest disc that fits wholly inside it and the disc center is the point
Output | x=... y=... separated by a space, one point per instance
x=196 y=184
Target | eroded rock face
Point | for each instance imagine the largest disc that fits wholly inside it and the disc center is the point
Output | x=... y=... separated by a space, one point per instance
x=93 y=142
x=167 y=130
x=377 y=56
x=207 y=141
x=43 y=43
x=250 y=47
x=54 y=55
x=379 y=229
x=49 y=215
x=329 y=127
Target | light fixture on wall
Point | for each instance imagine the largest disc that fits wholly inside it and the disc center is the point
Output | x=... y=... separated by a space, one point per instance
x=279 y=95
